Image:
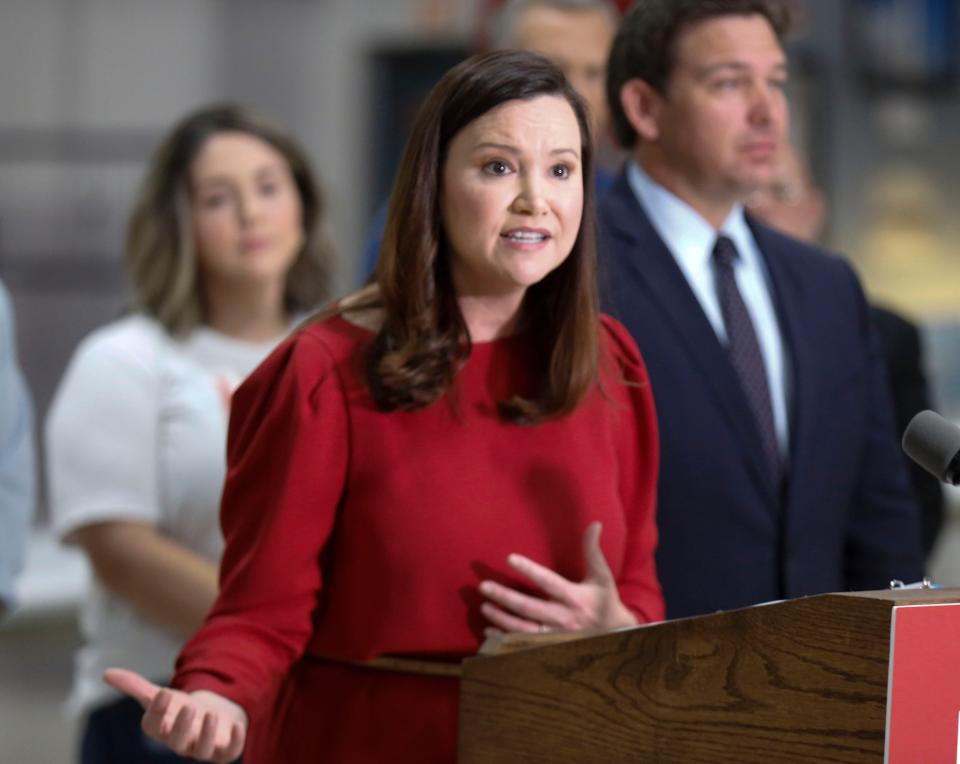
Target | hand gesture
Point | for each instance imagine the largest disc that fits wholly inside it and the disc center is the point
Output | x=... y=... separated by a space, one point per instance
x=593 y=603
x=200 y=724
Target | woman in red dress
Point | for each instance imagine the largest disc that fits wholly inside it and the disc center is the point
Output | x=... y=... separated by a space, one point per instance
x=434 y=459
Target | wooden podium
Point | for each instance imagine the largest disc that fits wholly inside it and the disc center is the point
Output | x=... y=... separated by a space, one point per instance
x=796 y=681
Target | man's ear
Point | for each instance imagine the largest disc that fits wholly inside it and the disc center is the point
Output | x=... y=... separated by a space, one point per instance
x=641 y=106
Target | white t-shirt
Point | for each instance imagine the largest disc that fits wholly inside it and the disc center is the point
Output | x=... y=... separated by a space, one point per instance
x=137 y=431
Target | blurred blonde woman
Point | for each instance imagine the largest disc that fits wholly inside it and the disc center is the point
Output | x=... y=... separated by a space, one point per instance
x=226 y=250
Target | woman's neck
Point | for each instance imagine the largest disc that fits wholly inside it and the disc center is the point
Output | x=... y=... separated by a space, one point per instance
x=489 y=318
x=250 y=314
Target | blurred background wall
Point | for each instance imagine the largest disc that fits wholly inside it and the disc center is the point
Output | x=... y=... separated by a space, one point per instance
x=87 y=87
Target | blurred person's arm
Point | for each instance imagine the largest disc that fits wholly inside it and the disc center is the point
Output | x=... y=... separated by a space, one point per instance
x=165 y=582
x=17 y=477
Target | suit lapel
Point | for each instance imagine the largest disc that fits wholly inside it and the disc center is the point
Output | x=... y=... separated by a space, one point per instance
x=643 y=259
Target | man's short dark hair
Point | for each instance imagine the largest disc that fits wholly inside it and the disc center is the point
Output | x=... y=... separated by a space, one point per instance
x=645 y=45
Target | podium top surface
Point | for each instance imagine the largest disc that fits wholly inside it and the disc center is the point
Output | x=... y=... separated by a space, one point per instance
x=931 y=596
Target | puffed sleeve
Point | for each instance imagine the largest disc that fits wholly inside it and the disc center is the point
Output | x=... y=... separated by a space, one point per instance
x=287 y=460
x=639 y=463
x=101 y=432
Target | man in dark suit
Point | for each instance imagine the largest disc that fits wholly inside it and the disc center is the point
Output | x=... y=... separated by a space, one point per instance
x=780 y=472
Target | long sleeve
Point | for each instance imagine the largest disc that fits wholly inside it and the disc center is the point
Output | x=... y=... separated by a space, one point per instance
x=17 y=476
x=287 y=459
x=639 y=460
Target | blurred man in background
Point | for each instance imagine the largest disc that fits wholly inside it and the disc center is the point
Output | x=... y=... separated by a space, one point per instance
x=574 y=34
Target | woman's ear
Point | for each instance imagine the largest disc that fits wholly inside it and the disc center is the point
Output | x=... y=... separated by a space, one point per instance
x=641 y=106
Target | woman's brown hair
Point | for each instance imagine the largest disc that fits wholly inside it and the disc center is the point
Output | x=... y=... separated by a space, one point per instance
x=160 y=254
x=424 y=340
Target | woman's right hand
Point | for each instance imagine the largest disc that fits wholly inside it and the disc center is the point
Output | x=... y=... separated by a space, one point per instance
x=199 y=724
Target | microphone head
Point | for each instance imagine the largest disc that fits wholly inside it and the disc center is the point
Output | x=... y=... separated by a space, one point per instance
x=934 y=443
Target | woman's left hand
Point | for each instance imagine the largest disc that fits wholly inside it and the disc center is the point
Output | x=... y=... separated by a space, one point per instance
x=593 y=603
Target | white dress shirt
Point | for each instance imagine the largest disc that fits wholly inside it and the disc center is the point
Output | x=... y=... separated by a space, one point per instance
x=690 y=239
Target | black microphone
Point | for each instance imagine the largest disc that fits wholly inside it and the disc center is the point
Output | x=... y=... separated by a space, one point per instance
x=934 y=443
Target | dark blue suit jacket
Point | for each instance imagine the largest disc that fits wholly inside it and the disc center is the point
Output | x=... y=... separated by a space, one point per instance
x=844 y=519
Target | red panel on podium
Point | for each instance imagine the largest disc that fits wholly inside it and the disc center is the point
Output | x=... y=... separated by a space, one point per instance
x=923 y=694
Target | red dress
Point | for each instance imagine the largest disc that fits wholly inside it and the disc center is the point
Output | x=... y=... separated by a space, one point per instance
x=352 y=532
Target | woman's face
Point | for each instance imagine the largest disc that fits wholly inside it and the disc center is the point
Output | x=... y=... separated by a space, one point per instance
x=246 y=211
x=512 y=196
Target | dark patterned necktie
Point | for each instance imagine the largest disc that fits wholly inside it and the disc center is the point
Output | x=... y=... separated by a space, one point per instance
x=744 y=350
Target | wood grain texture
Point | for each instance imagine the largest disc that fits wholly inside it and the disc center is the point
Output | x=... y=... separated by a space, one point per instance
x=797 y=681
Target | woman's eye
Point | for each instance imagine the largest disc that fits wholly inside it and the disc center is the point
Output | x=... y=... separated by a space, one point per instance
x=213 y=202
x=269 y=189
x=561 y=171
x=497 y=167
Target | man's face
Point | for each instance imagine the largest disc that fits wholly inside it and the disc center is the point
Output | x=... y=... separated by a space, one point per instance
x=721 y=121
x=578 y=42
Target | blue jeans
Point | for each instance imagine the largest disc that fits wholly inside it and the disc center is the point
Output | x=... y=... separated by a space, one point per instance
x=113 y=736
